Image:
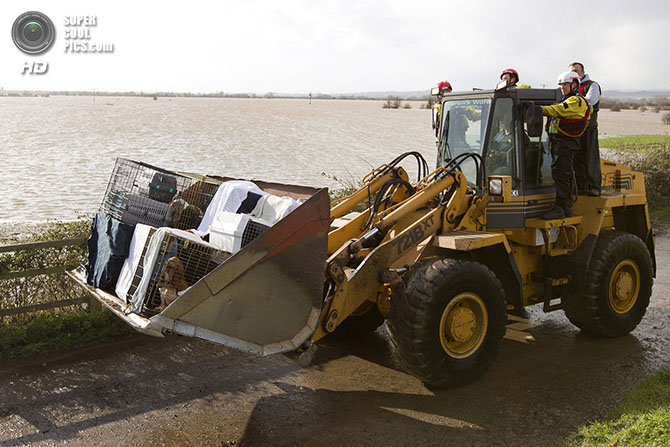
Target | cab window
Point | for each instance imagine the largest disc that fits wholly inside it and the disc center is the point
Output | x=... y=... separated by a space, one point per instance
x=500 y=152
x=463 y=123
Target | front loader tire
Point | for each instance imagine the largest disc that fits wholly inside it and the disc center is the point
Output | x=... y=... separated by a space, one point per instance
x=446 y=321
x=618 y=285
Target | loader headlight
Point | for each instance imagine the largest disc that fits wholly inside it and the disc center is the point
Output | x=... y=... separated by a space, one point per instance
x=495 y=186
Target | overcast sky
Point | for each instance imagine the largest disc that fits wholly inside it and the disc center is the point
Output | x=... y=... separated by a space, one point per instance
x=296 y=46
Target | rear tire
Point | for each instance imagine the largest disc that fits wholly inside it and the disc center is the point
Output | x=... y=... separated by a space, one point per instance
x=617 y=288
x=446 y=321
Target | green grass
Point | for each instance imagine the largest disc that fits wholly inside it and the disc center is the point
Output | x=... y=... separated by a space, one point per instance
x=647 y=142
x=59 y=332
x=659 y=212
x=642 y=419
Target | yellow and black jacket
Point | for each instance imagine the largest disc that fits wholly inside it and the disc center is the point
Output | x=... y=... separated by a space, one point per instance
x=569 y=117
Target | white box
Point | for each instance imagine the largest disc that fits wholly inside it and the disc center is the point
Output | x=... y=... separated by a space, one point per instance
x=232 y=231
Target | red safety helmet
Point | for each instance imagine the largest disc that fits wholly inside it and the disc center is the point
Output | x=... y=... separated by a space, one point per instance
x=510 y=71
x=444 y=86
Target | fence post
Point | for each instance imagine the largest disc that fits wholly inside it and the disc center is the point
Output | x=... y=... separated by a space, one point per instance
x=94 y=305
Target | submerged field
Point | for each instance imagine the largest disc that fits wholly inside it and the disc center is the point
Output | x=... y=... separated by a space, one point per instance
x=631 y=122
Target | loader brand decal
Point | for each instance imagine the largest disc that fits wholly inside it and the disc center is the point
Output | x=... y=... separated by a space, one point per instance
x=413 y=236
x=614 y=180
x=513 y=213
x=473 y=102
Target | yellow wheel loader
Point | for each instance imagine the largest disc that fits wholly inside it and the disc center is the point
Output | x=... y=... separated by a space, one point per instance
x=443 y=258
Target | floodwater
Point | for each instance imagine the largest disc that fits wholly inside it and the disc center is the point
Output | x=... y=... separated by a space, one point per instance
x=57 y=152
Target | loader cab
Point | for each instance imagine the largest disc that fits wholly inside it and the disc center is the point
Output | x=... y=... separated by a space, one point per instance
x=491 y=125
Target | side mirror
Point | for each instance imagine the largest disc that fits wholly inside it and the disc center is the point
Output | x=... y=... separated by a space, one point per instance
x=435 y=91
x=502 y=84
x=534 y=120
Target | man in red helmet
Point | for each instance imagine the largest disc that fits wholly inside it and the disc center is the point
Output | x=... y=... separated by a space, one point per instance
x=445 y=87
x=510 y=75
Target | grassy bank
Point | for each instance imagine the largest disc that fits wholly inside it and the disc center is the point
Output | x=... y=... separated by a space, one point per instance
x=646 y=142
x=58 y=329
x=642 y=419
x=33 y=290
x=58 y=332
x=649 y=154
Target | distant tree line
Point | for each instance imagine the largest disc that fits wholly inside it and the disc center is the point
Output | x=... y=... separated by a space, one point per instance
x=268 y=95
x=656 y=104
x=393 y=102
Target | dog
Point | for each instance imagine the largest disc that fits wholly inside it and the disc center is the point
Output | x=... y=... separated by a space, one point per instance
x=171 y=282
x=183 y=215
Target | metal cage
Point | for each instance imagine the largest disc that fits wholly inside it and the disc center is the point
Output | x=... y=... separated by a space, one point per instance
x=141 y=193
x=195 y=261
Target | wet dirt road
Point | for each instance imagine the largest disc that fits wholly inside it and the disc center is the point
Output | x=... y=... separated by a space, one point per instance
x=178 y=391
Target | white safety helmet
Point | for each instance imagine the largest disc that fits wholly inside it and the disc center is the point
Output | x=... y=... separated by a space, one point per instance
x=567 y=76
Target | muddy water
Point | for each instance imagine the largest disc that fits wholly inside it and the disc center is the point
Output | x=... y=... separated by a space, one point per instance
x=180 y=391
x=57 y=153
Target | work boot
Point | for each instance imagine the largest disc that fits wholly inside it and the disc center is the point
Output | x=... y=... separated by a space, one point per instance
x=566 y=206
x=593 y=192
x=555 y=213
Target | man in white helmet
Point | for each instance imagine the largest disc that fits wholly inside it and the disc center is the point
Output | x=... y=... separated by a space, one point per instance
x=587 y=160
x=568 y=121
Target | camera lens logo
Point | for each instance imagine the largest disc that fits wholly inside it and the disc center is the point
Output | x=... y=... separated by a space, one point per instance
x=33 y=32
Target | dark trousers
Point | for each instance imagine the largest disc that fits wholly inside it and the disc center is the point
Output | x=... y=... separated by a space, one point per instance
x=563 y=150
x=587 y=162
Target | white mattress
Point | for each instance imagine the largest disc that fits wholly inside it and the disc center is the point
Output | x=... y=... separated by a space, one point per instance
x=228 y=197
x=132 y=261
x=272 y=209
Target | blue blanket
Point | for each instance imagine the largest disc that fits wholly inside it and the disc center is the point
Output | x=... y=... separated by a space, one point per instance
x=107 y=249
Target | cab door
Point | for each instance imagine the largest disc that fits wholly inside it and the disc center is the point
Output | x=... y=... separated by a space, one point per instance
x=538 y=188
x=501 y=157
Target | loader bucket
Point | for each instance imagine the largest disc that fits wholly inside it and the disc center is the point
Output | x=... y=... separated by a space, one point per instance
x=264 y=299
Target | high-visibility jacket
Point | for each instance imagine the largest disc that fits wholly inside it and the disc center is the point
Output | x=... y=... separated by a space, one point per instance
x=437 y=116
x=569 y=117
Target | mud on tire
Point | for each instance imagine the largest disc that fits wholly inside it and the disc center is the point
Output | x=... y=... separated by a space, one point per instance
x=446 y=321
x=617 y=289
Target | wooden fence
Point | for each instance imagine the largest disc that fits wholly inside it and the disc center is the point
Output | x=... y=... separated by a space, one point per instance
x=43 y=271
